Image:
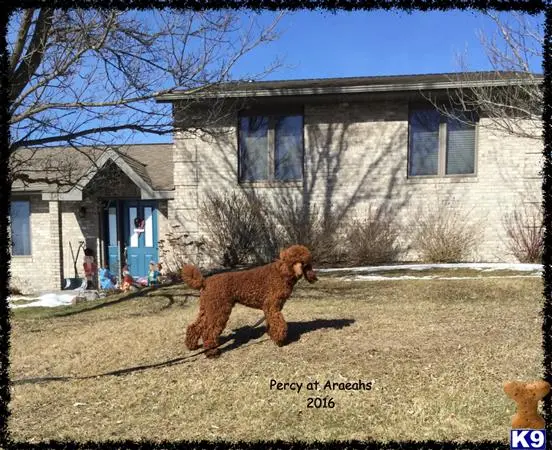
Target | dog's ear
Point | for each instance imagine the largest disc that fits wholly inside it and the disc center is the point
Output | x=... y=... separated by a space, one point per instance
x=285 y=268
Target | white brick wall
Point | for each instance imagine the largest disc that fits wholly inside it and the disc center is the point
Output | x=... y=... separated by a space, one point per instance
x=76 y=229
x=32 y=273
x=355 y=156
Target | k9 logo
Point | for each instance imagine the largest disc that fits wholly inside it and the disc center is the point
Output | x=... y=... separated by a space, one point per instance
x=528 y=439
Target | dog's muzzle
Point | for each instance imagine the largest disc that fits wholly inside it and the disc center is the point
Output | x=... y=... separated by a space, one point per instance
x=310 y=274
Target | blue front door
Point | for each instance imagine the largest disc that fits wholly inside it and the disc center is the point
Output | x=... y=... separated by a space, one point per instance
x=140 y=244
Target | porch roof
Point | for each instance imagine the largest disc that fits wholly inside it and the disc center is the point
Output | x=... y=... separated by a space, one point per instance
x=62 y=172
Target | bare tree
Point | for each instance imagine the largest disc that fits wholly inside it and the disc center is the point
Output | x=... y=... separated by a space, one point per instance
x=509 y=96
x=87 y=77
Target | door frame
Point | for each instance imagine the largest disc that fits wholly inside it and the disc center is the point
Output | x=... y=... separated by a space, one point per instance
x=144 y=253
x=121 y=206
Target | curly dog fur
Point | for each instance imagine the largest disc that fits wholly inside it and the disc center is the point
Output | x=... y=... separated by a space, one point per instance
x=266 y=287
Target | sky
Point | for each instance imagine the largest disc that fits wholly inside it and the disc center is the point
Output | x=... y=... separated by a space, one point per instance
x=321 y=44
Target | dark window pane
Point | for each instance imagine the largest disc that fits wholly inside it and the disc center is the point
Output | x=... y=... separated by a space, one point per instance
x=20 y=227
x=288 y=152
x=253 y=149
x=424 y=142
x=460 y=146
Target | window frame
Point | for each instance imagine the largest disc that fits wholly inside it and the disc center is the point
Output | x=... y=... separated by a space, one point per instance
x=442 y=150
x=271 y=114
x=26 y=255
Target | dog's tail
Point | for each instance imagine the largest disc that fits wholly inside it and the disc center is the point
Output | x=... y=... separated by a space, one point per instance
x=192 y=276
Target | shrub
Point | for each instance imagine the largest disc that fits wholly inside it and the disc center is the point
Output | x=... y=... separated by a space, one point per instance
x=297 y=223
x=14 y=290
x=239 y=232
x=176 y=250
x=524 y=230
x=372 y=239
x=443 y=235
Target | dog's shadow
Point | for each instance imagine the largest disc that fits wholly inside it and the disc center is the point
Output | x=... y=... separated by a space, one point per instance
x=241 y=336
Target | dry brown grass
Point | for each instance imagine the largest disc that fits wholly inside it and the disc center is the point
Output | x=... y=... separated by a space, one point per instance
x=438 y=352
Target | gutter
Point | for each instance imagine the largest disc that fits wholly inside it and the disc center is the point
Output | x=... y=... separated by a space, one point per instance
x=172 y=96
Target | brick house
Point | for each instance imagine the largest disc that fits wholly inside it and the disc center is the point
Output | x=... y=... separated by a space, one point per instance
x=343 y=144
x=98 y=198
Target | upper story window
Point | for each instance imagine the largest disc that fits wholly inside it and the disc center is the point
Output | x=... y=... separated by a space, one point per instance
x=20 y=227
x=270 y=147
x=440 y=145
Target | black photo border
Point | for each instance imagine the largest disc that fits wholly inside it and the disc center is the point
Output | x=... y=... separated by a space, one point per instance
x=532 y=7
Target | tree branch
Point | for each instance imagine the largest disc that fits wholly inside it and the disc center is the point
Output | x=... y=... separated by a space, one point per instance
x=90 y=131
x=22 y=34
x=33 y=57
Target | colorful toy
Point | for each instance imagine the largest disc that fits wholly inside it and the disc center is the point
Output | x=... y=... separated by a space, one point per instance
x=90 y=267
x=128 y=283
x=154 y=273
x=527 y=396
x=107 y=279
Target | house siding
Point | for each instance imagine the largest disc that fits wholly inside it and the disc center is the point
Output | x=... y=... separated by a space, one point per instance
x=356 y=156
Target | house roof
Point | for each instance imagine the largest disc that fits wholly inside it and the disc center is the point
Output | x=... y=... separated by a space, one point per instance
x=319 y=86
x=149 y=165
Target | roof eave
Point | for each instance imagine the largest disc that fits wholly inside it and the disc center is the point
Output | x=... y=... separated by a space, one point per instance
x=402 y=87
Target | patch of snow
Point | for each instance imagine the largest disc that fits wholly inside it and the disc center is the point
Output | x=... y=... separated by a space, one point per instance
x=45 y=300
x=476 y=266
x=383 y=278
x=429 y=277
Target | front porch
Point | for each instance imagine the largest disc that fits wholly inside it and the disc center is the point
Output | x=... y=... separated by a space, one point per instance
x=114 y=211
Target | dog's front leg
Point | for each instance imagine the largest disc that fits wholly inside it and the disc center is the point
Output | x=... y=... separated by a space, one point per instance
x=275 y=324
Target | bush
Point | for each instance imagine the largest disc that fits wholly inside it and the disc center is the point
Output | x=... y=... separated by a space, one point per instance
x=296 y=223
x=372 y=239
x=176 y=250
x=239 y=232
x=443 y=235
x=14 y=290
x=243 y=229
x=524 y=230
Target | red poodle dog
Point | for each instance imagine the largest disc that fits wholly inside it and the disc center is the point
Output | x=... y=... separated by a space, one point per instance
x=266 y=287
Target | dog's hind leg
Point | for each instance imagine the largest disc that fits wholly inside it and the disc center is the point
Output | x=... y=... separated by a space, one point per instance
x=213 y=328
x=195 y=329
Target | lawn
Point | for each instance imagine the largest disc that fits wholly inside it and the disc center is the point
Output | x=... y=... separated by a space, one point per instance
x=434 y=352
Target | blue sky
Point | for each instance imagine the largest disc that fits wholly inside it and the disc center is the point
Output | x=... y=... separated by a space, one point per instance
x=321 y=44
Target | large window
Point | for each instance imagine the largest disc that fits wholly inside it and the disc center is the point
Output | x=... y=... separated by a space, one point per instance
x=441 y=145
x=20 y=223
x=270 y=148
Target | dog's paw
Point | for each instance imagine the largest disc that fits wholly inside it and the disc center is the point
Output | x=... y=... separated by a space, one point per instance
x=212 y=353
x=193 y=345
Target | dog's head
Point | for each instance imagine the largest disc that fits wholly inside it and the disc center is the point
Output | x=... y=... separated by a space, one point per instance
x=299 y=259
